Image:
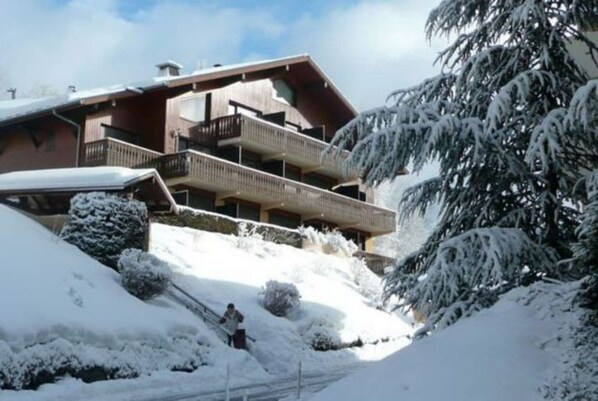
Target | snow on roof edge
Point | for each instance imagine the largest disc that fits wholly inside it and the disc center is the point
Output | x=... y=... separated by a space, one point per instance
x=45 y=105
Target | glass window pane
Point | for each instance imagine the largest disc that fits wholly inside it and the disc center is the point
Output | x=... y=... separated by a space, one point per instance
x=194 y=109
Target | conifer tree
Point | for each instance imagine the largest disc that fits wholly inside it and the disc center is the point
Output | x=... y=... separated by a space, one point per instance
x=510 y=122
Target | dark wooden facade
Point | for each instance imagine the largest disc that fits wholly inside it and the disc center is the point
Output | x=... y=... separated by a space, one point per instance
x=144 y=129
x=48 y=143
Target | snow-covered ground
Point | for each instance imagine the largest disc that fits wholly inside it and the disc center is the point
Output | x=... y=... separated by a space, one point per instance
x=62 y=305
x=61 y=302
x=338 y=295
x=512 y=351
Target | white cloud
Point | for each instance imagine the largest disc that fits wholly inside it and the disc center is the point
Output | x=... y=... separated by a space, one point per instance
x=88 y=43
x=371 y=48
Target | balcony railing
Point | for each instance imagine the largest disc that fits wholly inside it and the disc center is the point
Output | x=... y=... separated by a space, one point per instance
x=113 y=152
x=222 y=176
x=270 y=189
x=273 y=137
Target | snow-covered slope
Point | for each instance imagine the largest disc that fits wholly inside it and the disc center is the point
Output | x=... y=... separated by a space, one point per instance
x=338 y=295
x=61 y=308
x=508 y=352
x=61 y=302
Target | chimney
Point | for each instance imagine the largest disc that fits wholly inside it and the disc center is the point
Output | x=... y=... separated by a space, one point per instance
x=13 y=92
x=169 y=69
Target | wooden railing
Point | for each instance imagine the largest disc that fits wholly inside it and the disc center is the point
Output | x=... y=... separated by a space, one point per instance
x=113 y=152
x=272 y=136
x=230 y=177
x=268 y=188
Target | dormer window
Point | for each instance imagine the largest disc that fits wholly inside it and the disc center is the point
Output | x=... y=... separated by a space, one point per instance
x=283 y=92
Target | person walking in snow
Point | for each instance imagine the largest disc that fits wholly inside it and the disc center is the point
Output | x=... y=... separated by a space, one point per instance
x=230 y=320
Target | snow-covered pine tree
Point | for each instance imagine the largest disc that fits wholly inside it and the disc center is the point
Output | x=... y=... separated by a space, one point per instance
x=508 y=121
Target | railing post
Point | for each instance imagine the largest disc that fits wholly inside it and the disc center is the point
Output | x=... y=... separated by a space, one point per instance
x=300 y=373
x=227 y=388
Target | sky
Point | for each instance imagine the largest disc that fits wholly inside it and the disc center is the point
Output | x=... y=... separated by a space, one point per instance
x=367 y=47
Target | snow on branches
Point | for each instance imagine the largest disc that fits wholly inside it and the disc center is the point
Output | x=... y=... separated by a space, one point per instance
x=470 y=270
x=511 y=122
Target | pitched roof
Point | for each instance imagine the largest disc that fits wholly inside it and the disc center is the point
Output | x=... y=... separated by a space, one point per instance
x=18 y=109
x=67 y=181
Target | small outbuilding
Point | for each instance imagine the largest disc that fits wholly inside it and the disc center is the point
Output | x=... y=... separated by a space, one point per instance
x=48 y=192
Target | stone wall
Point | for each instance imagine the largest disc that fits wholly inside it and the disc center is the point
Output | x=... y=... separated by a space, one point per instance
x=206 y=221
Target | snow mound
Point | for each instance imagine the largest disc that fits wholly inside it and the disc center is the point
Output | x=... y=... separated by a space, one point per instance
x=63 y=309
x=507 y=352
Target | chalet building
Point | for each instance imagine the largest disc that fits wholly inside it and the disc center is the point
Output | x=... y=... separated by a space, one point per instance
x=243 y=140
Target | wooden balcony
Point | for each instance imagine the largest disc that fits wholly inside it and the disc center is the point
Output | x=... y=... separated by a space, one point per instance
x=113 y=152
x=228 y=179
x=274 y=142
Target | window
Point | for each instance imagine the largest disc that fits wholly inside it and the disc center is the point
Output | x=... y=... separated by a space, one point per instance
x=194 y=109
x=115 y=133
x=50 y=141
x=186 y=143
x=284 y=219
x=250 y=159
x=319 y=181
x=248 y=212
x=283 y=92
x=292 y=172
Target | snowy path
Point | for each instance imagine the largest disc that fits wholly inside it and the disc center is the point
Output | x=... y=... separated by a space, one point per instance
x=265 y=391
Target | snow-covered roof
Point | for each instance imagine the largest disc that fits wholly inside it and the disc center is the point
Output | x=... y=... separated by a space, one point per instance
x=19 y=109
x=82 y=179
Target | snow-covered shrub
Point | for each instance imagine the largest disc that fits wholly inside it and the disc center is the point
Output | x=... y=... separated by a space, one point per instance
x=37 y=364
x=103 y=225
x=280 y=298
x=248 y=238
x=320 y=335
x=330 y=242
x=142 y=274
x=368 y=284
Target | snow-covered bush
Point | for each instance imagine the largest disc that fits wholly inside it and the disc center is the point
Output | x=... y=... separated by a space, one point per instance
x=330 y=242
x=248 y=239
x=103 y=225
x=32 y=366
x=142 y=274
x=280 y=298
x=321 y=336
x=368 y=284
